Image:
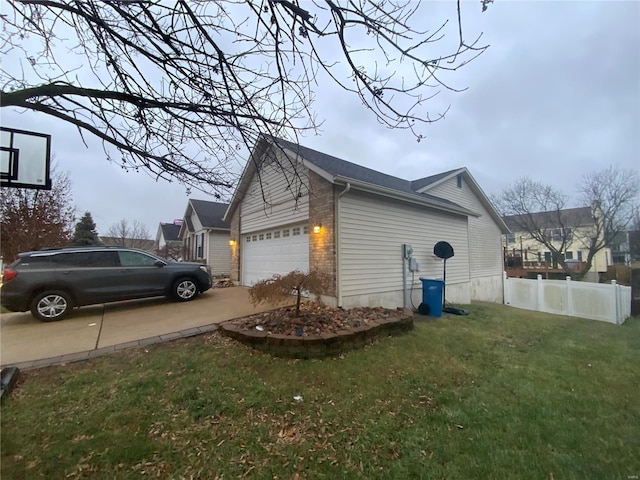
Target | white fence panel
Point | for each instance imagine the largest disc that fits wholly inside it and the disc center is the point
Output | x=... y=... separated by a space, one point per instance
x=608 y=303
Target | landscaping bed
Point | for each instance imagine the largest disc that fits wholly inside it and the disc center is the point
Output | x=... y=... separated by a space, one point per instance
x=319 y=331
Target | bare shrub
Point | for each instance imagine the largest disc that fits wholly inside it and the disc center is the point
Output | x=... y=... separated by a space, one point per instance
x=279 y=288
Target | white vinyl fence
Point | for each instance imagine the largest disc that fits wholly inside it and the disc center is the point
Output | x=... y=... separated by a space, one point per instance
x=598 y=301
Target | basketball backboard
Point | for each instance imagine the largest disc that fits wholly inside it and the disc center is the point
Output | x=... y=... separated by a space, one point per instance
x=25 y=159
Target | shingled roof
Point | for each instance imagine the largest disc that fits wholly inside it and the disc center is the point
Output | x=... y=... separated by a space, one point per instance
x=342 y=168
x=170 y=232
x=210 y=213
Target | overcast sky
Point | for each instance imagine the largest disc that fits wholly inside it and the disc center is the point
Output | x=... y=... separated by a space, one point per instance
x=556 y=95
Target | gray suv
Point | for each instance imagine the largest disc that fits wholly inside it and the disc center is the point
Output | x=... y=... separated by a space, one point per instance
x=50 y=282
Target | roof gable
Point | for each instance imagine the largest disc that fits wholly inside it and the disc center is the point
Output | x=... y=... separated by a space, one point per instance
x=170 y=232
x=432 y=180
x=210 y=214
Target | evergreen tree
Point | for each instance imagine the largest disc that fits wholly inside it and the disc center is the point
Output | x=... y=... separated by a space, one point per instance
x=85 y=232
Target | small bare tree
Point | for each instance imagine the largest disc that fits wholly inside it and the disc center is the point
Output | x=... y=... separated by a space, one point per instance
x=281 y=287
x=135 y=235
x=535 y=208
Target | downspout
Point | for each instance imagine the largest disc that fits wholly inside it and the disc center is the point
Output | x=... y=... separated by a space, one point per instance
x=338 y=250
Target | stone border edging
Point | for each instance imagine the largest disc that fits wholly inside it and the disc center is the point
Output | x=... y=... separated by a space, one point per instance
x=316 y=346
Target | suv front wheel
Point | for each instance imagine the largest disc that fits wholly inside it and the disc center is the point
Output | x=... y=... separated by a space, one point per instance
x=51 y=305
x=185 y=289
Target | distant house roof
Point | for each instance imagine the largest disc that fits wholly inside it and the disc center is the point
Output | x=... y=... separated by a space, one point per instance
x=569 y=217
x=170 y=232
x=209 y=214
x=343 y=172
x=141 y=243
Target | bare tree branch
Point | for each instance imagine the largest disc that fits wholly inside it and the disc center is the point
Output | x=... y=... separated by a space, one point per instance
x=183 y=89
x=536 y=209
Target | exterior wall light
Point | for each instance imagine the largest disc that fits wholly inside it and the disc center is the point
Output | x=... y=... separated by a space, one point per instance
x=317 y=228
x=232 y=242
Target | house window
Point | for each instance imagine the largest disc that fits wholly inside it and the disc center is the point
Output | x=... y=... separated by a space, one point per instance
x=295 y=231
x=579 y=255
x=268 y=236
x=459 y=181
x=261 y=236
x=248 y=238
x=511 y=237
x=568 y=255
x=305 y=230
x=199 y=245
x=276 y=234
x=547 y=257
x=254 y=238
x=285 y=233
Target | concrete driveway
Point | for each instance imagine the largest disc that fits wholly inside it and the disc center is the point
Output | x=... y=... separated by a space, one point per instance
x=100 y=329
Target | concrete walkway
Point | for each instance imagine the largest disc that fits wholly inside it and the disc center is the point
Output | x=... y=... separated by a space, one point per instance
x=102 y=329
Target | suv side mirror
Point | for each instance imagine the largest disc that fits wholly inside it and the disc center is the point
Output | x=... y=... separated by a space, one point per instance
x=159 y=263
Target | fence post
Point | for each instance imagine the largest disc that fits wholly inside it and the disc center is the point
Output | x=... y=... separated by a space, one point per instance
x=570 y=309
x=540 y=294
x=505 y=288
x=615 y=301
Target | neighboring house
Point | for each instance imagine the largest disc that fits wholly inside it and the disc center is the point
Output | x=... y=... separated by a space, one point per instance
x=525 y=256
x=362 y=217
x=168 y=241
x=205 y=235
x=140 y=243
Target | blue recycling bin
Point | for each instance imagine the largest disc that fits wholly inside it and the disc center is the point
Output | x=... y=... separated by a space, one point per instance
x=432 y=289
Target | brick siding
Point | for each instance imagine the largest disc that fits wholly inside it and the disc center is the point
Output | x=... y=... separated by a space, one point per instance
x=322 y=246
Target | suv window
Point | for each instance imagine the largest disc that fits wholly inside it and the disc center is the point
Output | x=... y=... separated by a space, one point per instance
x=88 y=259
x=136 y=259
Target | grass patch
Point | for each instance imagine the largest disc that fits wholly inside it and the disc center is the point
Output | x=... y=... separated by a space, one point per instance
x=502 y=393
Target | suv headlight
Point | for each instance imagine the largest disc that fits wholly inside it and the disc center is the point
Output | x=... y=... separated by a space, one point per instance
x=204 y=268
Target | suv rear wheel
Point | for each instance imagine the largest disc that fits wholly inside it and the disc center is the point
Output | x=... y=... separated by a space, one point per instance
x=51 y=305
x=185 y=289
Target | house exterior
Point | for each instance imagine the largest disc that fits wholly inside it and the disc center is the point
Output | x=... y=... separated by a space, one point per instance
x=297 y=208
x=168 y=242
x=526 y=257
x=205 y=235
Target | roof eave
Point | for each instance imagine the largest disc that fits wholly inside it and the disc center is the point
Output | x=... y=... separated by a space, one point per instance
x=411 y=198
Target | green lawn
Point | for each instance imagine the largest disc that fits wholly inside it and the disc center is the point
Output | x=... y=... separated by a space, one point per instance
x=500 y=394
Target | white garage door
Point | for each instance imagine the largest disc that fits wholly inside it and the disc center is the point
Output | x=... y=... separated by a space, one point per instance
x=275 y=251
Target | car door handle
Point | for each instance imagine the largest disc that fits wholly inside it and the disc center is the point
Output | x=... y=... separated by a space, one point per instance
x=67 y=272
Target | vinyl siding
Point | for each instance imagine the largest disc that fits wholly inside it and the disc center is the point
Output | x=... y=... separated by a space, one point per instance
x=195 y=221
x=219 y=253
x=485 y=237
x=286 y=197
x=372 y=232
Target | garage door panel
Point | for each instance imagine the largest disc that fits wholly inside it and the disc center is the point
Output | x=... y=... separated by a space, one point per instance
x=264 y=258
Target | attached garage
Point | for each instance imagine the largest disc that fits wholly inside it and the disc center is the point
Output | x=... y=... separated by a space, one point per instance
x=279 y=250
